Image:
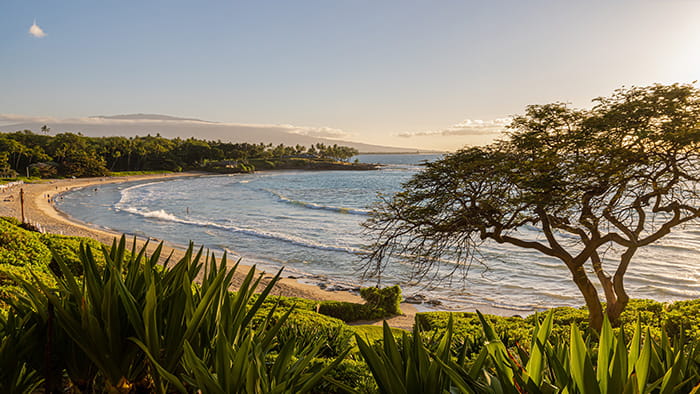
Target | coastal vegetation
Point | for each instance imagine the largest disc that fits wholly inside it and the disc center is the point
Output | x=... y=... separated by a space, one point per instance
x=89 y=318
x=82 y=317
x=587 y=187
x=75 y=155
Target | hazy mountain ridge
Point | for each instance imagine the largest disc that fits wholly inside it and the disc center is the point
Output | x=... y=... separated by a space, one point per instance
x=130 y=125
x=141 y=116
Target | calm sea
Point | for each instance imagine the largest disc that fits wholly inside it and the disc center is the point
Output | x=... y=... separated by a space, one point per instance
x=309 y=223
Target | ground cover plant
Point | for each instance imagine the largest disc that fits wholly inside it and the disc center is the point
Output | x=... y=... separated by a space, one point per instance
x=127 y=324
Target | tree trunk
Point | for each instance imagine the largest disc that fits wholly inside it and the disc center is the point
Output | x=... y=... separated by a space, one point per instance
x=590 y=294
x=614 y=309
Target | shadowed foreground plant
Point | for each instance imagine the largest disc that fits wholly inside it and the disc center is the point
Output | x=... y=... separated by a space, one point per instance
x=17 y=343
x=552 y=365
x=138 y=326
x=580 y=367
x=410 y=367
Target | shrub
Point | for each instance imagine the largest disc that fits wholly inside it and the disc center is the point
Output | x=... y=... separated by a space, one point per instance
x=12 y=220
x=386 y=300
x=68 y=248
x=351 y=373
x=21 y=247
x=683 y=317
x=308 y=328
x=348 y=311
x=467 y=326
x=379 y=303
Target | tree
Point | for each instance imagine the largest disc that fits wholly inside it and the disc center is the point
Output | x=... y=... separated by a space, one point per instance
x=622 y=174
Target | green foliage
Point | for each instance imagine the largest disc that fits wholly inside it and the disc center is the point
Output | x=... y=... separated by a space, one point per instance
x=17 y=346
x=575 y=364
x=21 y=247
x=70 y=154
x=11 y=219
x=130 y=173
x=25 y=254
x=380 y=303
x=308 y=328
x=408 y=365
x=131 y=325
x=348 y=311
x=466 y=326
x=347 y=376
x=68 y=247
x=620 y=176
x=653 y=315
x=683 y=317
x=22 y=255
x=386 y=300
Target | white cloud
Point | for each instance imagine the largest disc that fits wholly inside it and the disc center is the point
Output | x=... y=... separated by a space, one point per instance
x=36 y=31
x=320 y=132
x=466 y=127
x=156 y=120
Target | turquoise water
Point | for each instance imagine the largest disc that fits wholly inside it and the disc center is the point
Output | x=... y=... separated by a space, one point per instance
x=309 y=223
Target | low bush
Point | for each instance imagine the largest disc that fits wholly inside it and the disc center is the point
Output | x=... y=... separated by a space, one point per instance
x=308 y=328
x=386 y=300
x=467 y=326
x=683 y=317
x=380 y=303
x=21 y=247
x=351 y=373
x=68 y=247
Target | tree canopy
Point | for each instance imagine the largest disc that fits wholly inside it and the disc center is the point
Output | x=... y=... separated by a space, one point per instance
x=71 y=154
x=623 y=174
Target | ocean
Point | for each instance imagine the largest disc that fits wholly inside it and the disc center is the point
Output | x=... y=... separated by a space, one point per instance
x=309 y=223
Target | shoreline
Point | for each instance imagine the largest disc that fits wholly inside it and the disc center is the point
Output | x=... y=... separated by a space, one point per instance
x=38 y=210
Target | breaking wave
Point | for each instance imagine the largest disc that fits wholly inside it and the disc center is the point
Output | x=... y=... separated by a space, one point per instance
x=290 y=239
x=310 y=205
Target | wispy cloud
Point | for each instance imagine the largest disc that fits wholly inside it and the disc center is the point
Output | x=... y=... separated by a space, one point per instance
x=36 y=31
x=156 y=120
x=320 y=132
x=466 y=127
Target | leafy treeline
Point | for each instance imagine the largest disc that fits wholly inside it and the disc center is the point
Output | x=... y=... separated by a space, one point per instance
x=69 y=154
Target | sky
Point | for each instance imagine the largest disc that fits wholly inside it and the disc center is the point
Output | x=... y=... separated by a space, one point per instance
x=421 y=74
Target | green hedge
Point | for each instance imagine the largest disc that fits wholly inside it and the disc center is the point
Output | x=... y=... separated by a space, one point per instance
x=674 y=317
x=305 y=326
x=380 y=303
x=349 y=372
x=68 y=246
x=25 y=254
x=21 y=247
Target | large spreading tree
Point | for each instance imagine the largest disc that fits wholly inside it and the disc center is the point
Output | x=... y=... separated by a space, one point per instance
x=596 y=184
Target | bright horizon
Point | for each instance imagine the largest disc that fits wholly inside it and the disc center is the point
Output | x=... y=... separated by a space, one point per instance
x=407 y=74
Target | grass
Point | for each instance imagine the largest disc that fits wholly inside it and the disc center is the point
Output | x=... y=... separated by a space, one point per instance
x=130 y=173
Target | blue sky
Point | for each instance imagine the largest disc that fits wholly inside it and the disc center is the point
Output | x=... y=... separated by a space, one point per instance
x=431 y=74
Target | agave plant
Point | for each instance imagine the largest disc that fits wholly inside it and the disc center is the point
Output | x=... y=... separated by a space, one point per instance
x=581 y=366
x=136 y=325
x=17 y=345
x=411 y=366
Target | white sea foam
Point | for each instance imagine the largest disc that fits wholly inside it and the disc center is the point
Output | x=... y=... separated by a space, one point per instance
x=310 y=205
x=165 y=216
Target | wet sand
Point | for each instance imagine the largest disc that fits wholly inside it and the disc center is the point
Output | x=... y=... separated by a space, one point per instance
x=39 y=210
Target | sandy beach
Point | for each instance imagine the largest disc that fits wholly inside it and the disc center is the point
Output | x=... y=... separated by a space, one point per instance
x=39 y=210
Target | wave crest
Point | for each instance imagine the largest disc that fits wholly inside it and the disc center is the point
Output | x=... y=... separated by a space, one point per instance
x=310 y=205
x=165 y=216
